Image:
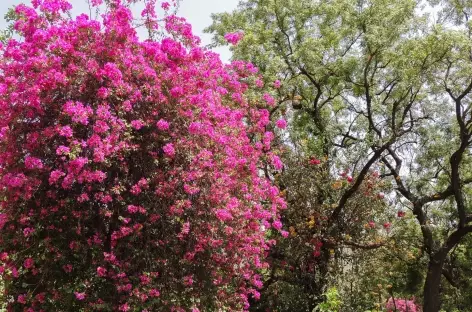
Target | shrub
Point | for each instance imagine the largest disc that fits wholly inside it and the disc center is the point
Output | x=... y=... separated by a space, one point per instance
x=129 y=170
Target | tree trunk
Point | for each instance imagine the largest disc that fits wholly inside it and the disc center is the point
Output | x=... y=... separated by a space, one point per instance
x=431 y=300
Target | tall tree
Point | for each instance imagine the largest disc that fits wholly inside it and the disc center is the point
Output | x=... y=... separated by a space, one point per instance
x=373 y=85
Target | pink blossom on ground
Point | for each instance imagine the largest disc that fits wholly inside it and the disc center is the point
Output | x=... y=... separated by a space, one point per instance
x=401 y=305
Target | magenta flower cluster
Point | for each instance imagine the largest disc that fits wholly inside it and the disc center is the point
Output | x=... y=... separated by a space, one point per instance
x=129 y=170
x=234 y=37
x=401 y=305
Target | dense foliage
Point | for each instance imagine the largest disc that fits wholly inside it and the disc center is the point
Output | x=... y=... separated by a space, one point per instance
x=374 y=86
x=129 y=170
x=326 y=168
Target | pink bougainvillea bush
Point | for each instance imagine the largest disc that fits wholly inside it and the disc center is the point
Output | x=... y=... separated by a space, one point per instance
x=129 y=170
x=401 y=305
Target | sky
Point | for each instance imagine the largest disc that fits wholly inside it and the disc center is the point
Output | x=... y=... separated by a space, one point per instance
x=197 y=12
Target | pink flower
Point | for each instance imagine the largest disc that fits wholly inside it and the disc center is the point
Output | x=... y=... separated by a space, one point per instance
x=21 y=299
x=401 y=305
x=110 y=257
x=276 y=162
x=281 y=124
x=145 y=280
x=79 y=295
x=269 y=99
x=62 y=150
x=277 y=224
x=401 y=214
x=78 y=112
x=169 y=149
x=371 y=224
x=314 y=161
x=66 y=131
x=154 y=293
x=133 y=209
x=387 y=225
x=3 y=132
x=83 y=198
x=165 y=5
x=224 y=215
x=191 y=189
x=177 y=92
x=349 y=179
x=55 y=176
x=137 y=124
x=3 y=220
x=188 y=280
x=28 y=231
x=234 y=37
x=277 y=84
x=67 y=268
x=195 y=128
x=28 y=263
x=52 y=6
x=162 y=125
x=102 y=93
x=112 y=72
x=100 y=127
x=101 y=271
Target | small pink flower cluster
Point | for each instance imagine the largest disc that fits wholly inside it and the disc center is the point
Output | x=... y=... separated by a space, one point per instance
x=234 y=37
x=401 y=305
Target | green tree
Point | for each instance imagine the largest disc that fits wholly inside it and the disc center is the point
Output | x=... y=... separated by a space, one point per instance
x=375 y=85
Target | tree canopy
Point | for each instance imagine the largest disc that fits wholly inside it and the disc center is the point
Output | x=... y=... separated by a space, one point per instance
x=375 y=86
